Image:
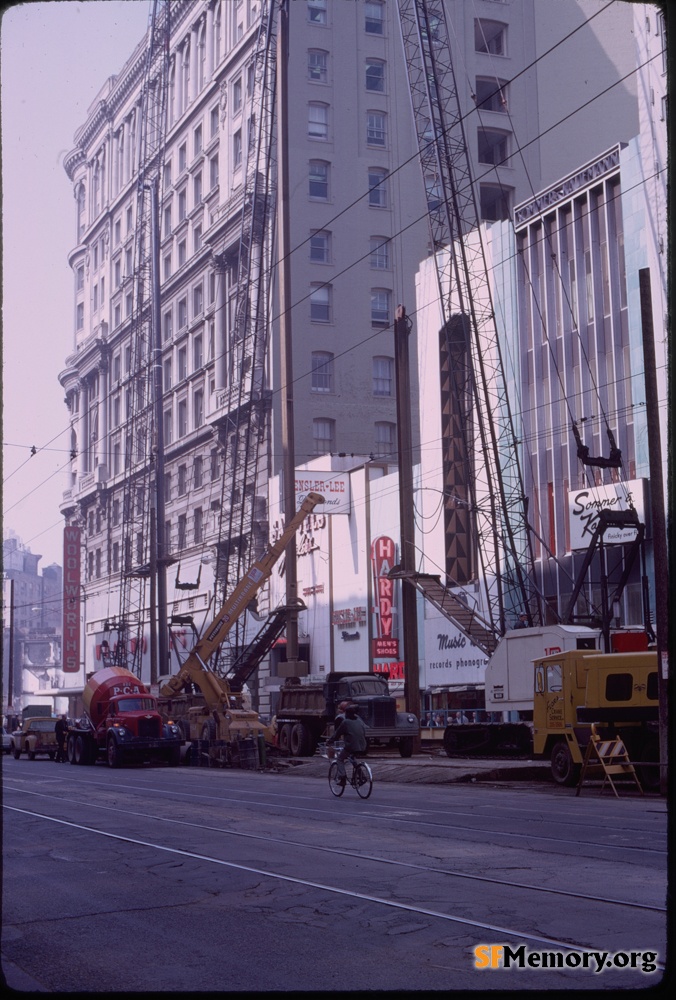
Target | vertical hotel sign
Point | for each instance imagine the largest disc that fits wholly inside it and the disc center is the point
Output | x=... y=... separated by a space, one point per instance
x=71 y=600
x=382 y=561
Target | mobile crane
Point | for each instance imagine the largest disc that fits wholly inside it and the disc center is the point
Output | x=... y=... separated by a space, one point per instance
x=220 y=714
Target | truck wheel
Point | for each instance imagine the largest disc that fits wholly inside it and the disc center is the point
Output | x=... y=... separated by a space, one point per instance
x=70 y=749
x=406 y=746
x=17 y=753
x=285 y=737
x=299 y=741
x=209 y=730
x=564 y=770
x=80 y=753
x=174 y=757
x=114 y=753
x=31 y=754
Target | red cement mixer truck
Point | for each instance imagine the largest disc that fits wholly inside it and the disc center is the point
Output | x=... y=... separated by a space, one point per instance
x=121 y=723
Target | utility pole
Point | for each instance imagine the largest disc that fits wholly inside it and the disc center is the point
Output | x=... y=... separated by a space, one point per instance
x=407 y=521
x=659 y=531
x=285 y=337
x=159 y=662
x=10 y=674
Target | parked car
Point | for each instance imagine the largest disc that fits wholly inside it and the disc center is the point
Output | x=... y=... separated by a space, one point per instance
x=37 y=735
x=6 y=741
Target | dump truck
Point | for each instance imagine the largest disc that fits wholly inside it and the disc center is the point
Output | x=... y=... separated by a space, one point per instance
x=306 y=712
x=213 y=713
x=121 y=723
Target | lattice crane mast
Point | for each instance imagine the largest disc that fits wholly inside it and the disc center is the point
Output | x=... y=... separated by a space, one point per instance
x=484 y=502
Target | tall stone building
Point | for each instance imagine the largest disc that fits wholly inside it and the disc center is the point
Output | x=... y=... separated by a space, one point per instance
x=357 y=209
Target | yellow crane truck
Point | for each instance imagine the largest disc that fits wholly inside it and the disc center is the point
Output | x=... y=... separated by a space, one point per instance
x=219 y=715
x=616 y=691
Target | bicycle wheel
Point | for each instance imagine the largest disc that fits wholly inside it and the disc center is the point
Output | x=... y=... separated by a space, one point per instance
x=363 y=780
x=335 y=784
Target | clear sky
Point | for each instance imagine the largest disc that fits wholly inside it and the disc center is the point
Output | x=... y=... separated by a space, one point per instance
x=54 y=58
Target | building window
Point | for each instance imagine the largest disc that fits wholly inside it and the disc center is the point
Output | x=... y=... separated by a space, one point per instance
x=198 y=408
x=197 y=140
x=116 y=557
x=167 y=326
x=182 y=253
x=494 y=202
x=182 y=531
x=167 y=374
x=213 y=172
x=377 y=187
x=182 y=158
x=182 y=480
x=322 y=371
x=386 y=439
x=383 y=376
x=493 y=146
x=489 y=36
x=374 y=17
x=213 y=121
x=168 y=427
x=213 y=464
x=237 y=149
x=319 y=179
x=79 y=316
x=197 y=471
x=316 y=11
x=320 y=247
x=380 y=306
x=197 y=189
x=380 y=253
x=182 y=418
x=79 y=278
x=237 y=95
x=166 y=266
x=197 y=525
x=376 y=128
x=318 y=121
x=317 y=65
x=375 y=75
x=182 y=314
x=323 y=436
x=197 y=352
x=320 y=304
x=182 y=364
x=197 y=239
x=182 y=205
x=491 y=94
x=197 y=300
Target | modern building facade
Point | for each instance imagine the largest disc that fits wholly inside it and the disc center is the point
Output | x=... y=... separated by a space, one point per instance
x=358 y=229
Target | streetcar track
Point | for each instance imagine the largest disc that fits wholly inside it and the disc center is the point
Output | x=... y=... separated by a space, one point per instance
x=503 y=931
x=390 y=817
x=358 y=855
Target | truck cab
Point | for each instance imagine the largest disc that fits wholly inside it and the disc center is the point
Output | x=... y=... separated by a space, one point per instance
x=616 y=691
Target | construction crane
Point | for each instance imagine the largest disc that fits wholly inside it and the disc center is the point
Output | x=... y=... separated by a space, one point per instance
x=485 y=508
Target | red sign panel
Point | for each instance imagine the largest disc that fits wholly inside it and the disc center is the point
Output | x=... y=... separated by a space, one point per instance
x=71 y=600
x=388 y=648
x=383 y=553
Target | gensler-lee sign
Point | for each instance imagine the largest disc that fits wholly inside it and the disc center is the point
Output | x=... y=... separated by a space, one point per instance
x=333 y=486
x=585 y=505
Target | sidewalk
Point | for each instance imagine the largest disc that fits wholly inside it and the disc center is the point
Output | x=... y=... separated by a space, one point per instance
x=425 y=769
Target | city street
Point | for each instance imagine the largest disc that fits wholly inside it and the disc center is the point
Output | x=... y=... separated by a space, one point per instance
x=178 y=879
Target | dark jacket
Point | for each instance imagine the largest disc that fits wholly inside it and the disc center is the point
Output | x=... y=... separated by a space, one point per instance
x=61 y=730
x=353 y=733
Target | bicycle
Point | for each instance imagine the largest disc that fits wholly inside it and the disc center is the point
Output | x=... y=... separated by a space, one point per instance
x=361 y=778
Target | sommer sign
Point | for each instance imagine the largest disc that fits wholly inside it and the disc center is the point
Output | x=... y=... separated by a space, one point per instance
x=585 y=505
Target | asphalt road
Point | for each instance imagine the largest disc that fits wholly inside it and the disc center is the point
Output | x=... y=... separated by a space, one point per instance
x=187 y=880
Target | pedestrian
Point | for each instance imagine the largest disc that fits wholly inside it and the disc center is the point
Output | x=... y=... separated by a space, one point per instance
x=353 y=733
x=523 y=621
x=61 y=730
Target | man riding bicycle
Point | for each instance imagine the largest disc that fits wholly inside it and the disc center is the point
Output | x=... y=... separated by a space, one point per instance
x=353 y=733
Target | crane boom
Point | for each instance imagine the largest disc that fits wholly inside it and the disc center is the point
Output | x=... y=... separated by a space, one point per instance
x=215 y=689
